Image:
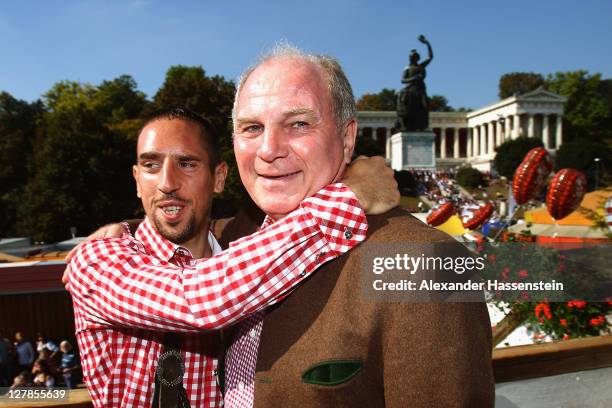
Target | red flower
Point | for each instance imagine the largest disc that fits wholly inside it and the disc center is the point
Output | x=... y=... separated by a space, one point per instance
x=563 y=322
x=566 y=336
x=543 y=308
x=596 y=321
x=580 y=304
x=523 y=273
x=561 y=267
x=505 y=273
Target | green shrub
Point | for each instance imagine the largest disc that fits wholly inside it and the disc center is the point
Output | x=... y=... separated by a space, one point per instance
x=469 y=177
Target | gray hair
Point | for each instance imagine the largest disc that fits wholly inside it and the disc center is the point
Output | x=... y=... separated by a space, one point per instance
x=339 y=87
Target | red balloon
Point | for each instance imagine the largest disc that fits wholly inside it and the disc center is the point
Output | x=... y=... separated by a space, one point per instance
x=531 y=174
x=440 y=214
x=478 y=217
x=565 y=192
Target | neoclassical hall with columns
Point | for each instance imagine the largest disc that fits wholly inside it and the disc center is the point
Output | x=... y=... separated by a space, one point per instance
x=471 y=137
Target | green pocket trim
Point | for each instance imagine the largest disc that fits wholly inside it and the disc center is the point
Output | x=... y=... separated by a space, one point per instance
x=333 y=372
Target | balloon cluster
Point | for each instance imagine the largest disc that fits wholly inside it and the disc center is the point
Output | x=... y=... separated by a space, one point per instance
x=565 y=191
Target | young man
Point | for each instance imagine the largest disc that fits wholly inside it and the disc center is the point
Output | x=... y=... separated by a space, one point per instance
x=132 y=295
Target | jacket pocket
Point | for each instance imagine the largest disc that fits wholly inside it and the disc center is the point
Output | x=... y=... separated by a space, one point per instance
x=333 y=372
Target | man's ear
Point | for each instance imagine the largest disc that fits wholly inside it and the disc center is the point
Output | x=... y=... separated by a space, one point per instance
x=349 y=136
x=220 y=176
x=136 y=173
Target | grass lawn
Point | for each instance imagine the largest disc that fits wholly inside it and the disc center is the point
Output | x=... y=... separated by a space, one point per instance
x=412 y=202
x=492 y=190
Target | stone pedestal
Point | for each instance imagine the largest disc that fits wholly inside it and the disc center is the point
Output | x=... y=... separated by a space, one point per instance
x=411 y=150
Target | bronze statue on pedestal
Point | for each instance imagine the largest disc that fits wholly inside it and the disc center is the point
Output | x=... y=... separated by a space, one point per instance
x=412 y=104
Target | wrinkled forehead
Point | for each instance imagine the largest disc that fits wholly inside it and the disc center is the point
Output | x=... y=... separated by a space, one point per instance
x=284 y=85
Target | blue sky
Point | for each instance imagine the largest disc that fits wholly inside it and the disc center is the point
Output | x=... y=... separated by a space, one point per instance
x=42 y=42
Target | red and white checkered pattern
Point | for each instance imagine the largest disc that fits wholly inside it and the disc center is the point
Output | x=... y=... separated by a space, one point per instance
x=126 y=292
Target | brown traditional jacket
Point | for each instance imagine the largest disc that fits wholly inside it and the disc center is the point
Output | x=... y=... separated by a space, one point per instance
x=326 y=345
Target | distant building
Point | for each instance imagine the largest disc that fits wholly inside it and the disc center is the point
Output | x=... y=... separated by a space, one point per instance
x=471 y=137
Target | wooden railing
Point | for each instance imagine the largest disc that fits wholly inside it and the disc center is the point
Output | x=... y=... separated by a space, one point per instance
x=542 y=360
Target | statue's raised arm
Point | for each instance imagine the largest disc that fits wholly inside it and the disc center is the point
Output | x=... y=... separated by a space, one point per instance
x=429 y=50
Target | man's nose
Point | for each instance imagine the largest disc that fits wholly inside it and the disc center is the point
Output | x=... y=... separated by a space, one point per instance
x=273 y=144
x=169 y=181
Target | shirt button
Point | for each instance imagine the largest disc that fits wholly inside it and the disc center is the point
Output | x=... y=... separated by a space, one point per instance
x=348 y=234
x=302 y=274
x=241 y=386
x=253 y=334
x=321 y=254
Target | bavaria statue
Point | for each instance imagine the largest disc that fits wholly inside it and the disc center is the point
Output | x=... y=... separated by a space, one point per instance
x=412 y=106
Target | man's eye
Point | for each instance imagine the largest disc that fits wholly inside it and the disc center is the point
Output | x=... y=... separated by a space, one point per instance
x=300 y=124
x=150 y=165
x=187 y=165
x=252 y=129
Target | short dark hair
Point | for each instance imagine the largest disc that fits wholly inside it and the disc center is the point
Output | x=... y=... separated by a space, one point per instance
x=208 y=133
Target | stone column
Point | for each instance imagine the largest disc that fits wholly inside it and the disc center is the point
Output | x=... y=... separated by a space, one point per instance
x=530 y=125
x=388 y=144
x=443 y=143
x=499 y=132
x=545 y=131
x=517 y=126
x=476 y=132
x=507 y=128
x=559 y=133
x=468 y=150
x=483 y=141
x=455 y=143
x=374 y=135
x=491 y=135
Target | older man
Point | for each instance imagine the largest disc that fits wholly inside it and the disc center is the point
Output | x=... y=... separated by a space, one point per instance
x=326 y=346
x=142 y=303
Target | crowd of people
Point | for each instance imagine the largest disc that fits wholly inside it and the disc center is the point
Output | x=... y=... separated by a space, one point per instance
x=440 y=186
x=39 y=364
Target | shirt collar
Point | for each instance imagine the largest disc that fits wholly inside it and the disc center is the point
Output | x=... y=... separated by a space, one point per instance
x=164 y=249
x=267 y=222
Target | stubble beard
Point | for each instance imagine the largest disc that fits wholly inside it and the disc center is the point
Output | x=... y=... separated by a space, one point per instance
x=177 y=236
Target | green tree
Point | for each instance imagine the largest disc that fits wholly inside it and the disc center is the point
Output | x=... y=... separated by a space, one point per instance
x=366 y=146
x=18 y=127
x=581 y=156
x=511 y=153
x=588 y=110
x=519 y=83
x=81 y=166
x=385 y=100
x=439 y=103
